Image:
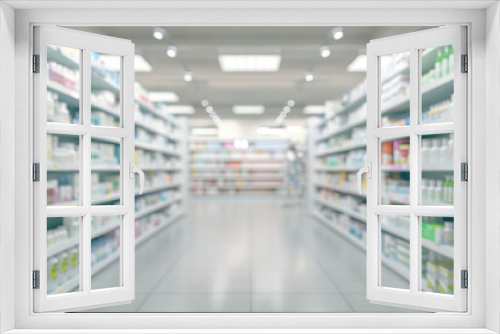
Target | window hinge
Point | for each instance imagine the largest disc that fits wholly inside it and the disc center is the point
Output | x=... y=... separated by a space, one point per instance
x=465 y=279
x=465 y=64
x=36 y=279
x=36 y=63
x=36 y=172
x=464 y=171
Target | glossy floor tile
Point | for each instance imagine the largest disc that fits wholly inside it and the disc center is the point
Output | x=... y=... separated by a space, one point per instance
x=248 y=256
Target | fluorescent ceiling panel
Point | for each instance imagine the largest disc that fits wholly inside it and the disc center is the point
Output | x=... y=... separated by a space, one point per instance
x=248 y=110
x=358 y=64
x=113 y=63
x=249 y=63
x=204 y=131
x=181 y=110
x=163 y=97
x=314 y=110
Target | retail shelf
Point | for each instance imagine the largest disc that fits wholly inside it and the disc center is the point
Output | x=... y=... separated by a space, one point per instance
x=339 y=189
x=97 y=168
x=406 y=168
x=66 y=95
x=337 y=169
x=159 y=169
x=350 y=213
x=343 y=129
x=439 y=249
x=53 y=54
x=193 y=187
x=341 y=149
x=149 y=234
x=225 y=149
x=153 y=129
x=146 y=107
x=395 y=198
x=241 y=168
x=243 y=178
x=155 y=208
x=432 y=93
x=357 y=242
x=156 y=148
x=198 y=160
x=391 y=264
x=116 y=197
x=347 y=108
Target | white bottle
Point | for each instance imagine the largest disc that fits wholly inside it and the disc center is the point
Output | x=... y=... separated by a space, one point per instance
x=434 y=153
x=425 y=191
x=52 y=272
x=426 y=146
x=446 y=190
x=448 y=236
x=451 y=144
x=438 y=193
x=430 y=192
x=443 y=152
x=63 y=260
x=73 y=262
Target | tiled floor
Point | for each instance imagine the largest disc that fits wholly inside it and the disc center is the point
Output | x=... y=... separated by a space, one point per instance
x=248 y=256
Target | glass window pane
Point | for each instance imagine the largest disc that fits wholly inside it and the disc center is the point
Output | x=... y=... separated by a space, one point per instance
x=437 y=254
x=395 y=89
x=395 y=172
x=105 y=252
x=63 y=254
x=437 y=170
x=63 y=170
x=105 y=94
x=437 y=84
x=105 y=177
x=63 y=84
x=395 y=251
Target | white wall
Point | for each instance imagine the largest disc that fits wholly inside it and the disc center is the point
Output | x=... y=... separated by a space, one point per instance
x=7 y=189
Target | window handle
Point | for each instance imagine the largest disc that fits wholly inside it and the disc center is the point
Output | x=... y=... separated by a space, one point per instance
x=132 y=170
x=368 y=171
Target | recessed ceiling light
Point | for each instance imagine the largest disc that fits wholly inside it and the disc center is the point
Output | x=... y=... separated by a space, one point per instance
x=249 y=63
x=159 y=33
x=113 y=63
x=294 y=129
x=308 y=77
x=337 y=33
x=172 y=51
x=291 y=103
x=358 y=64
x=314 y=110
x=325 y=51
x=276 y=131
x=163 y=97
x=287 y=109
x=204 y=131
x=188 y=76
x=181 y=110
x=254 y=110
x=209 y=109
x=204 y=103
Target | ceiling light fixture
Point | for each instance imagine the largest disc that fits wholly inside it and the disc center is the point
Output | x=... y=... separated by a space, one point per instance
x=172 y=51
x=163 y=97
x=314 y=110
x=248 y=110
x=181 y=110
x=249 y=63
x=204 y=103
x=337 y=33
x=188 y=76
x=291 y=103
x=204 y=131
x=287 y=109
x=358 y=64
x=209 y=109
x=308 y=77
x=325 y=51
x=159 y=33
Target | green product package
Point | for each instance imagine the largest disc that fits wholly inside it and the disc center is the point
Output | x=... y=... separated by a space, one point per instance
x=429 y=230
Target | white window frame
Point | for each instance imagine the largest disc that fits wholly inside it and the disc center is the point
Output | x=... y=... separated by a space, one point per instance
x=300 y=13
x=87 y=43
x=413 y=43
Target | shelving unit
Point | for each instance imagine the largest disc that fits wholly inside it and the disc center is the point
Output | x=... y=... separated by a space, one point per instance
x=165 y=165
x=335 y=159
x=222 y=167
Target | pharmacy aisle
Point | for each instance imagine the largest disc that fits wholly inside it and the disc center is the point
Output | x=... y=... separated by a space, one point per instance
x=249 y=256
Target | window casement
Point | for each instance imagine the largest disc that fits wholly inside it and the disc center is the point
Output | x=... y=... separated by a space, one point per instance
x=79 y=209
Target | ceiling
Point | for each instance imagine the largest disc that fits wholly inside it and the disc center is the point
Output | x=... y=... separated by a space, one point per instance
x=199 y=47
